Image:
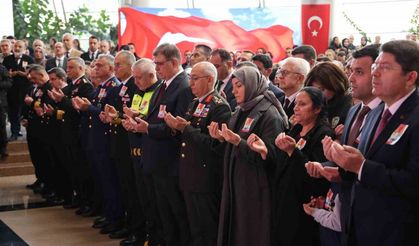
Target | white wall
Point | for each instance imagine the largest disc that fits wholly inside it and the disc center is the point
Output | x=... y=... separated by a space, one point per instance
x=6 y=13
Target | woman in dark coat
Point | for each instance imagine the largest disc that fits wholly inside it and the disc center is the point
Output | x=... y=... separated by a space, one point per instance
x=334 y=84
x=245 y=206
x=292 y=185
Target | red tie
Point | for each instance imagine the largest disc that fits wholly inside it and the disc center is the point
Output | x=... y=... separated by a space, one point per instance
x=383 y=122
x=354 y=133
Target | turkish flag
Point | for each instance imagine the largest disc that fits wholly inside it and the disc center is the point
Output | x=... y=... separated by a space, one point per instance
x=146 y=31
x=315 y=22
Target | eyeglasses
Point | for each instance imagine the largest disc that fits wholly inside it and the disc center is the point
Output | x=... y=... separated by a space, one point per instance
x=160 y=63
x=283 y=73
x=196 y=78
x=383 y=67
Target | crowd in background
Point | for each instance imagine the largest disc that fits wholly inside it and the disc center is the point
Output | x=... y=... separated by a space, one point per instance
x=222 y=147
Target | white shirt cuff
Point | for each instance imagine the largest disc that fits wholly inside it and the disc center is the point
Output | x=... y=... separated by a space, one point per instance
x=360 y=170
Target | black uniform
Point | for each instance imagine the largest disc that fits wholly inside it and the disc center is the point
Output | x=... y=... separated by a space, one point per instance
x=200 y=170
x=5 y=84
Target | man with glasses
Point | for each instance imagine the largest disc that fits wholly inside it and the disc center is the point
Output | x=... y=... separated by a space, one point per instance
x=161 y=145
x=200 y=171
x=290 y=78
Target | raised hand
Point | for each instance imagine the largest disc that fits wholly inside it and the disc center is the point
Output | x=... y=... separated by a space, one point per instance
x=215 y=132
x=229 y=135
x=256 y=144
x=285 y=143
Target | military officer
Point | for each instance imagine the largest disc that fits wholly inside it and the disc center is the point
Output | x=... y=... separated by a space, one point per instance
x=200 y=170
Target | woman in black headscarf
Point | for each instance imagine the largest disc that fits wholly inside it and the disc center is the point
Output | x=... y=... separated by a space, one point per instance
x=245 y=206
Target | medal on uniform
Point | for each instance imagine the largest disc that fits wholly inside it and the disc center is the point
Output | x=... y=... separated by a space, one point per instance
x=102 y=93
x=397 y=134
x=205 y=111
x=39 y=93
x=198 y=110
x=24 y=64
x=301 y=143
x=162 y=111
x=247 y=125
x=123 y=90
x=74 y=91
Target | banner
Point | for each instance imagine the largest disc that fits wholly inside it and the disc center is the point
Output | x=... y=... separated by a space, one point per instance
x=146 y=31
x=315 y=24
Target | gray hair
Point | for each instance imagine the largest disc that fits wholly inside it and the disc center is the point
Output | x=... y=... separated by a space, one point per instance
x=208 y=69
x=108 y=58
x=6 y=41
x=78 y=60
x=128 y=56
x=67 y=34
x=145 y=65
x=301 y=66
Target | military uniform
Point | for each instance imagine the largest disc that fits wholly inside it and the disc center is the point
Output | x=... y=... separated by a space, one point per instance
x=120 y=154
x=69 y=121
x=200 y=170
x=98 y=148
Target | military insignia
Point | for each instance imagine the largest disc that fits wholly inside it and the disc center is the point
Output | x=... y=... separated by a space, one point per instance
x=113 y=83
x=162 y=111
x=39 y=93
x=198 y=110
x=335 y=121
x=397 y=134
x=102 y=93
x=205 y=111
x=247 y=125
x=24 y=64
x=77 y=82
x=73 y=92
x=301 y=144
x=123 y=90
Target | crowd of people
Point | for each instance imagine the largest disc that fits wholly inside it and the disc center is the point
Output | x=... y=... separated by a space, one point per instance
x=225 y=148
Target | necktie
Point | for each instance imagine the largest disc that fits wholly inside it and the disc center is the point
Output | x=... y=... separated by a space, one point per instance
x=92 y=56
x=286 y=103
x=59 y=62
x=383 y=122
x=220 y=84
x=161 y=92
x=354 y=133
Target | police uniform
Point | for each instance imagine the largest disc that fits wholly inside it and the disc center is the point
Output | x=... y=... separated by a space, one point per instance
x=200 y=170
x=98 y=148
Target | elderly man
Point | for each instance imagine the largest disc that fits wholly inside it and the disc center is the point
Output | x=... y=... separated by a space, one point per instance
x=173 y=97
x=384 y=198
x=290 y=78
x=93 y=51
x=16 y=64
x=120 y=148
x=98 y=144
x=69 y=46
x=200 y=171
x=5 y=48
x=59 y=59
x=105 y=47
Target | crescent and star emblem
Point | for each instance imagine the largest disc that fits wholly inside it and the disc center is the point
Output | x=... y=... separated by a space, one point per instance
x=315 y=18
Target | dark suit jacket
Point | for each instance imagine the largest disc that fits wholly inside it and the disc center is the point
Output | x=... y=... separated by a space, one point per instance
x=201 y=166
x=386 y=199
x=290 y=109
x=279 y=93
x=86 y=56
x=161 y=146
x=228 y=91
x=51 y=63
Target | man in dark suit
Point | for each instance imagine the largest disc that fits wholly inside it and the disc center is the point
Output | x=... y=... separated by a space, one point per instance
x=93 y=51
x=173 y=97
x=306 y=52
x=223 y=61
x=264 y=65
x=5 y=84
x=385 y=192
x=361 y=81
x=200 y=171
x=60 y=60
x=290 y=78
x=16 y=64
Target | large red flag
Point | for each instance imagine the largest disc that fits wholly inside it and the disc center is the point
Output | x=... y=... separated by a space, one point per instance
x=315 y=22
x=146 y=31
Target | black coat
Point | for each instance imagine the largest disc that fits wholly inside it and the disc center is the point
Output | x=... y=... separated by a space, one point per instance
x=5 y=84
x=293 y=187
x=51 y=63
x=337 y=109
x=245 y=206
x=201 y=166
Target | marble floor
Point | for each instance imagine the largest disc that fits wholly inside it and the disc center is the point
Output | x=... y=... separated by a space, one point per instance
x=46 y=225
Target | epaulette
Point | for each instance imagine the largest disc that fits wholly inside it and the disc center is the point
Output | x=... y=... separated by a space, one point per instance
x=217 y=99
x=85 y=80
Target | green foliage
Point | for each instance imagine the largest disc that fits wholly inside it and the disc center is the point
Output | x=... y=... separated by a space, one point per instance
x=354 y=25
x=33 y=19
x=415 y=21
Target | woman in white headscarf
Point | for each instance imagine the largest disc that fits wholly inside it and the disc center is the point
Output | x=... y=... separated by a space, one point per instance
x=245 y=206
